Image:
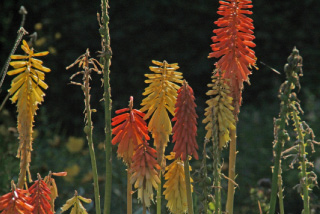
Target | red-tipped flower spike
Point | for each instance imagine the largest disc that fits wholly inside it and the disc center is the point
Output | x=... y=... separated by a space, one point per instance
x=40 y=194
x=16 y=201
x=130 y=130
x=233 y=42
x=185 y=128
x=144 y=171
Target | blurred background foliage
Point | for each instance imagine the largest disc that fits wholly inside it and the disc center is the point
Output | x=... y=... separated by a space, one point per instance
x=142 y=30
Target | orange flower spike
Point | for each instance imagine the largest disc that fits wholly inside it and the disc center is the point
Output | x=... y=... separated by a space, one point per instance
x=130 y=129
x=144 y=171
x=185 y=128
x=233 y=41
x=16 y=201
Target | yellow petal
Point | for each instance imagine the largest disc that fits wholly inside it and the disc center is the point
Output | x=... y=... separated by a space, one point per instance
x=17 y=84
x=18 y=64
x=44 y=53
x=39 y=81
x=16 y=71
x=19 y=56
x=36 y=61
x=40 y=67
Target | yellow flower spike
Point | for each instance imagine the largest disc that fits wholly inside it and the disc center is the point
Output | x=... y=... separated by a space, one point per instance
x=26 y=91
x=219 y=111
x=175 y=186
x=161 y=97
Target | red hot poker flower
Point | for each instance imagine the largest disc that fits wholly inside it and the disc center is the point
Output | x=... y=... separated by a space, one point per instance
x=130 y=130
x=185 y=128
x=233 y=41
x=16 y=201
x=40 y=194
x=144 y=171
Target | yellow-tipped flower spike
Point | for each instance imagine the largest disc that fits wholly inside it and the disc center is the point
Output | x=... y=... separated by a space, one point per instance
x=219 y=111
x=26 y=88
x=144 y=171
x=176 y=193
x=161 y=98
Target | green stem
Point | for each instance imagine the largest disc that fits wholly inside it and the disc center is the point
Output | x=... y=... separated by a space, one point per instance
x=88 y=130
x=205 y=173
x=106 y=61
x=274 y=187
x=188 y=186
x=159 y=195
x=217 y=178
x=216 y=168
x=232 y=171
x=129 y=195
x=281 y=206
x=302 y=158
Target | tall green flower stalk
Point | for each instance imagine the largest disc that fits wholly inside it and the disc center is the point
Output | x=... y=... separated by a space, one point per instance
x=290 y=107
x=105 y=60
x=86 y=62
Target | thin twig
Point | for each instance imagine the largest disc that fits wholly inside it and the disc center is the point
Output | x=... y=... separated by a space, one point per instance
x=21 y=33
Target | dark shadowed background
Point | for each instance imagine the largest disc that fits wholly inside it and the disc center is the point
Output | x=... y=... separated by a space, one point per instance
x=173 y=30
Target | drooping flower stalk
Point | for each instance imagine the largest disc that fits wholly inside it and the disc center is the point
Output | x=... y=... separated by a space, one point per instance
x=88 y=65
x=144 y=169
x=233 y=43
x=26 y=89
x=175 y=185
x=105 y=60
x=185 y=132
x=161 y=97
x=130 y=130
x=220 y=122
